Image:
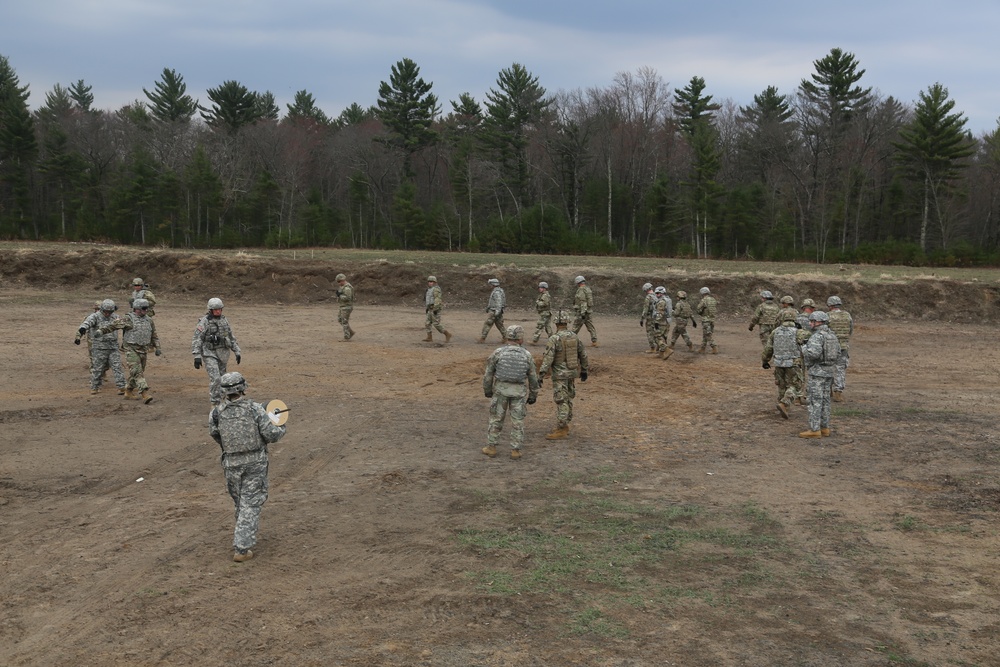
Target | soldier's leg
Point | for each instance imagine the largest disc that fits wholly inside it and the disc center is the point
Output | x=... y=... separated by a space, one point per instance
x=577 y=323
x=840 y=376
x=498 y=410
x=687 y=338
x=539 y=326
x=549 y=331
x=487 y=325
x=651 y=334
x=215 y=369
x=498 y=323
x=115 y=362
x=787 y=388
x=518 y=410
x=817 y=387
x=343 y=318
x=250 y=490
x=134 y=368
x=437 y=322
x=140 y=380
x=763 y=336
x=96 y=368
x=560 y=395
x=570 y=395
x=824 y=417
x=591 y=328
x=428 y=321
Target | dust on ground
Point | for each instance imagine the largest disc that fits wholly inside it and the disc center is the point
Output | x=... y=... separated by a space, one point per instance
x=681 y=523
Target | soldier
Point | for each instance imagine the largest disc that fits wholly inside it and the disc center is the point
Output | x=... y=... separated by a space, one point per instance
x=707 y=308
x=243 y=430
x=820 y=356
x=566 y=357
x=139 y=335
x=662 y=317
x=646 y=319
x=510 y=378
x=140 y=290
x=432 y=305
x=494 y=310
x=104 y=352
x=90 y=338
x=842 y=324
x=583 y=304
x=345 y=305
x=543 y=305
x=802 y=319
x=787 y=304
x=782 y=347
x=212 y=340
x=805 y=330
x=682 y=313
x=766 y=315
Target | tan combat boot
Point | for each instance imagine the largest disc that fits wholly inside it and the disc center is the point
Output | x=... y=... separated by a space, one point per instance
x=428 y=338
x=482 y=339
x=95 y=391
x=121 y=391
x=594 y=344
x=147 y=398
x=783 y=410
x=824 y=432
x=701 y=350
x=129 y=395
x=447 y=336
x=690 y=347
x=242 y=557
x=810 y=434
x=838 y=396
x=490 y=451
x=515 y=454
x=666 y=353
x=715 y=349
x=558 y=433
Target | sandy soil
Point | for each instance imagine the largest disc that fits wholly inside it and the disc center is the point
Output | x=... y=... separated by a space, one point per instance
x=876 y=546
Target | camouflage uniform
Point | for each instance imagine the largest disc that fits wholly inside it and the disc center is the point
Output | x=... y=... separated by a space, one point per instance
x=104 y=351
x=646 y=319
x=566 y=357
x=766 y=316
x=841 y=324
x=707 y=309
x=142 y=293
x=243 y=430
x=211 y=343
x=583 y=304
x=345 y=306
x=139 y=335
x=682 y=313
x=543 y=305
x=783 y=348
x=432 y=305
x=90 y=338
x=494 y=314
x=510 y=380
x=820 y=355
x=662 y=316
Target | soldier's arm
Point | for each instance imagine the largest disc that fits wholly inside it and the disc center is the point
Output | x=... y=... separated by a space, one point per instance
x=270 y=431
x=213 y=426
x=154 y=338
x=198 y=337
x=491 y=367
x=581 y=355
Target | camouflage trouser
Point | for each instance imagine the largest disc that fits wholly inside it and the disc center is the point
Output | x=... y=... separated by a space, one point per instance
x=651 y=334
x=135 y=359
x=563 y=393
x=708 y=334
x=494 y=320
x=840 y=376
x=680 y=329
x=660 y=333
x=584 y=320
x=500 y=406
x=544 y=324
x=247 y=485
x=819 y=402
x=789 y=383
x=216 y=367
x=102 y=359
x=344 y=319
x=433 y=319
x=764 y=332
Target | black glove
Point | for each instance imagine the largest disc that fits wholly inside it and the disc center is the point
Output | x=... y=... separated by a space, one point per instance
x=642 y=323
x=532 y=399
x=197 y=362
x=765 y=366
x=158 y=352
x=693 y=323
x=750 y=328
x=82 y=330
x=488 y=393
x=238 y=360
x=76 y=341
x=583 y=376
x=540 y=382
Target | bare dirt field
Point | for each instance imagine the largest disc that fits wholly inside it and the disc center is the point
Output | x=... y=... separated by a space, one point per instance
x=681 y=523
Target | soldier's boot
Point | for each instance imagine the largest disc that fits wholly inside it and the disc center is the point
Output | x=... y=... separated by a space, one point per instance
x=558 y=433
x=428 y=338
x=94 y=391
x=715 y=349
x=130 y=395
x=593 y=343
x=838 y=396
x=515 y=454
x=701 y=350
x=350 y=333
x=490 y=451
x=121 y=391
x=825 y=432
x=652 y=350
x=447 y=336
x=690 y=347
x=482 y=339
x=783 y=410
x=147 y=398
x=671 y=346
x=810 y=434
x=242 y=556
x=666 y=353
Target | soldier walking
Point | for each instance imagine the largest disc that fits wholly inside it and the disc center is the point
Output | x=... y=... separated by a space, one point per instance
x=511 y=381
x=211 y=344
x=646 y=318
x=494 y=310
x=345 y=305
x=433 y=303
x=682 y=314
x=842 y=324
x=783 y=349
x=765 y=316
x=583 y=304
x=707 y=308
x=662 y=317
x=243 y=430
x=820 y=356
x=104 y=351
x=140 y=290
x=566 y=358
x=138 y=337
x=543 y=305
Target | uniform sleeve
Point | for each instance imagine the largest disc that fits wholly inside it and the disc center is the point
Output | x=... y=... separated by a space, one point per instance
x=199 y=331
x=549 y=355
x=270 y=431
x=581 y=355
x=153 y=338
x=213 y=425
x=491 y=369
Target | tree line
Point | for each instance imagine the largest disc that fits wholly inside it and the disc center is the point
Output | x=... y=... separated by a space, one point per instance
x=832 y=171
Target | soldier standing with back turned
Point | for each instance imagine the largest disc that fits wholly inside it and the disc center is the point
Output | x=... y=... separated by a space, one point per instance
x=511 y=382
x=842 y=324
x=707 y=308
x=345 y=305
x=646 y=318
x=566 y=358
x=543 y=305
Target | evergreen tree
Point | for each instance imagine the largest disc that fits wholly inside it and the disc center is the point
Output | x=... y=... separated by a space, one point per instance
x=303 y=108
x=692 y=107
x=18 y=148
x=82 y=96
x=407 y=108
x=695 y=112
x=831 y=90
x=233 y=106
x=169 y=101
x=265 y=108
x=932 y=149
x=354 y=115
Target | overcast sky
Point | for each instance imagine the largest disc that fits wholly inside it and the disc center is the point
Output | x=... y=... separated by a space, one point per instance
x=340 y=51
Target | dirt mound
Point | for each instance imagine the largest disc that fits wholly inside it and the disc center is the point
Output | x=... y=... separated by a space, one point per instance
x=249 y=278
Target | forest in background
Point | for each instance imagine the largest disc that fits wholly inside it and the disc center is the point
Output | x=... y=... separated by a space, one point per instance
x=832 y=171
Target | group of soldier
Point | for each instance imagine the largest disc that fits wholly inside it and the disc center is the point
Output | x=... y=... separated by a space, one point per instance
x=659 y=313
x=809 y=351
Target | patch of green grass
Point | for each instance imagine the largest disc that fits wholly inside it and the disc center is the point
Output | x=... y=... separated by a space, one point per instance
x=907 y=523
x=593 y=621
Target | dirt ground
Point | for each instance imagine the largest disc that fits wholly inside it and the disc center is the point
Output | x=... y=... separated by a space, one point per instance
x=389 y=539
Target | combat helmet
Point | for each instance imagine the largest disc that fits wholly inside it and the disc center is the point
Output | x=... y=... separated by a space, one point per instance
x=108 y=306
x=819 y=316
x=704 y=290
x=233 y=383
x=494 y=282
x=660 y=290
x=787 y=300
x=766 y=294
x=340 y=276
x=543 y=284
x=647 y=286
x=808 y=303
x=432 y=279
x=834 y=301
x=787 y=315
x=579 y=279
x=682 y=294
x=139 y=304
x=561 y=317
x=215 y=303
x=137 y=282
x=515 y=332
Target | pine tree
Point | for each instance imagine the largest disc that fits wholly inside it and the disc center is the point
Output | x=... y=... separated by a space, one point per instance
x=303 y=108
x=169 y=102
x=407 y=108
x=233 y=106
x=18 y=147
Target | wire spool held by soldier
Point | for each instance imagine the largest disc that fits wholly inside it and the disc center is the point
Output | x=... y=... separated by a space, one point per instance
x=277 y=412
